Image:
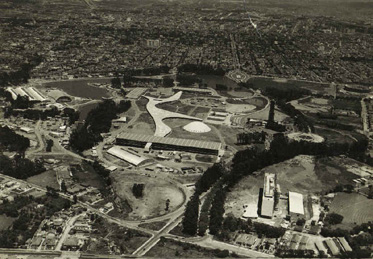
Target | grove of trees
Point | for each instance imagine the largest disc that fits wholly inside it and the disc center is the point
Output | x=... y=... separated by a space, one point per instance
x=11 y=141
x=98 y=121
x=138 y=190
x=19 y=167
x=190 y=220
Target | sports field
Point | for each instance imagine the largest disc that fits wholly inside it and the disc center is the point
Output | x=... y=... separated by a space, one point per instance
x=354 y=208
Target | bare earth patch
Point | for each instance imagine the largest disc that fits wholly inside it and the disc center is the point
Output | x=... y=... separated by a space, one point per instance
x=156 y=192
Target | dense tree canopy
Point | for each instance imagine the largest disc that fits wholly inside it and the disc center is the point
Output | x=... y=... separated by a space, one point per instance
x=11 y=141
x=20 y=168
x=98 y=121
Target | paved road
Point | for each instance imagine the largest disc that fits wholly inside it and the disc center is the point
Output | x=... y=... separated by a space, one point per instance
x=214 y=244
x=66 y=231
x=124 y=223
x=40 y=140
x=142 y=250
x=174 y=221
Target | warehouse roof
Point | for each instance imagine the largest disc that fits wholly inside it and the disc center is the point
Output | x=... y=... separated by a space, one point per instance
x=296 y=203
x=320 y=246
x=345 y=244
x=127 y=156
x=171 y=141
x=267 y=207
x=332 y=247
x=136 y=93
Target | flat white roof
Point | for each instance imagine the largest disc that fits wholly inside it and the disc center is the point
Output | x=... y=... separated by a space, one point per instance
x=251 y=211
x=296 y=203
x=267 y=207
x=121 y=119
x=269 y=185
x=127 y=156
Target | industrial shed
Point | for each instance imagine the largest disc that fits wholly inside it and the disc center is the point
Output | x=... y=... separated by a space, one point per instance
x=178 y=144
x=130 y=157
x=32 y=93
x=346 y=247
x=332 y=247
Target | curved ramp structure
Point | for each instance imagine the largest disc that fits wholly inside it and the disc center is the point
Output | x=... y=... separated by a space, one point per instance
x=158 y=115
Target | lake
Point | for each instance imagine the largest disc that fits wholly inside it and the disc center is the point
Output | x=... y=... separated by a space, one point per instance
x=80 y=88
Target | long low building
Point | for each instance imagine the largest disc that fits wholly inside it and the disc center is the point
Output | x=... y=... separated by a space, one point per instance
x=268 y=201
x=332 y=247
x=32 y=93
x=178 y=144
x=132 y=158
x=296 y=207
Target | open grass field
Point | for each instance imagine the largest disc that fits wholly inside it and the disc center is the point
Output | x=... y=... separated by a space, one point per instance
x=331 y=171
x=333 y=136
x=143 y=125
x=185 y=109
x=48 y=178
x=171 y=106
x=130 y=113
x=176 y=106
x=178 y=132
x=158 y=225
x=303 y=174
x=5 y=222
x=354 y=208
x=156 y=192
x=88 y=176
x=200 y=112
x=229 y=134
x=141 y=103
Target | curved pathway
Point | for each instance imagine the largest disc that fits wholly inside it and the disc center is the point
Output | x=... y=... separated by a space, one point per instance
x=158 y=115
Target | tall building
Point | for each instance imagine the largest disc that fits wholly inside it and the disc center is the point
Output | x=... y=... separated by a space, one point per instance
x=268 y=198
x=271 y=114
x=367 y=114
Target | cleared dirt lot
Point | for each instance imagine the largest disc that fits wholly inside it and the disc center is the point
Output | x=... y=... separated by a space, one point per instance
x=156 y=192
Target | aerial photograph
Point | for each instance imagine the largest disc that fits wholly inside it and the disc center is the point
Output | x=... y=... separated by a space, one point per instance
x=186 y=129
